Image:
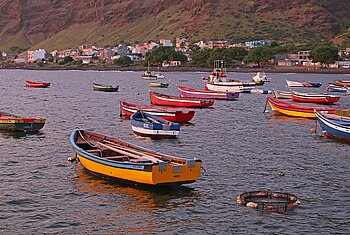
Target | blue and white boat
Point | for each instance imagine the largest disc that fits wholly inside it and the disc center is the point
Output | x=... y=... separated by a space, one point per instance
x=333 y=87
x=335 y=125
x=147 y=124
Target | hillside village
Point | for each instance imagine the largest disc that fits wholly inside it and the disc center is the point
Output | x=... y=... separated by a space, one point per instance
x=87 y=54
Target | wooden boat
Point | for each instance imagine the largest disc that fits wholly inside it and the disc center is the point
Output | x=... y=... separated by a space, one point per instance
x=335 y=125
x=147 y=124
x=333 y=87
x=37 y=84
x=282 y=94
x=172 y=115
x=168 y=100
x=122 y=160
x=10 y=122
x=98 y=87
x=302 y=84
x=342 y=82
x=296 y=110
x=314 y=98
x=206 y=94
x=158 y=84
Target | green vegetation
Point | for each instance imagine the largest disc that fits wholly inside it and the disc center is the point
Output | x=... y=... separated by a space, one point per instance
x=123 y=61
x=325 y=54
x=160 y=54
x=259 y=54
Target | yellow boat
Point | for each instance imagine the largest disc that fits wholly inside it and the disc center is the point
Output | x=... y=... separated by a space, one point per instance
x=294 y=110
x=118 y=159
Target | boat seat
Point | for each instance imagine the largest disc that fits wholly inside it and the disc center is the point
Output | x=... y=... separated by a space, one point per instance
x=116 y=158
x=140 y=160
x=96 y=152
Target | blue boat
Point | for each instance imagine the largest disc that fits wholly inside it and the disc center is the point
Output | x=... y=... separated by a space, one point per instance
x=98 y=87
x=335 y=125
x=333 y=87
x=146 y=124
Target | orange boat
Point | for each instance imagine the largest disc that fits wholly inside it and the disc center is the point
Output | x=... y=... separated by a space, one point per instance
x=37 y=84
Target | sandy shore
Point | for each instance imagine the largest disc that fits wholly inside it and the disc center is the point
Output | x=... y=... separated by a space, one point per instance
x=99 y=67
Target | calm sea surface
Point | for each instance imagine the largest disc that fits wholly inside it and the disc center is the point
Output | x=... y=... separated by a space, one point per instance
x=242 y=148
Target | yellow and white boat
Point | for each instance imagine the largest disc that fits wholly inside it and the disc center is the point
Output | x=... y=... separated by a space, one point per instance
x=118 y=159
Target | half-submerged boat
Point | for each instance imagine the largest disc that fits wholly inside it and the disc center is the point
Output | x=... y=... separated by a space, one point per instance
x=115 y=158
x=207 y=94
x=146 y=124
x=170 y=114
x=282 y=94
x=335 y=125
x=10 y=122
x=303 y=84
x=98 y=87
x=314 y=98
x=169 y=100
x=158 y=84
x=37 y=84
x=294 y=110
x=342 y=82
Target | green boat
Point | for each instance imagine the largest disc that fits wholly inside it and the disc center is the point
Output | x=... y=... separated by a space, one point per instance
x=158 y=84
x=10 y=122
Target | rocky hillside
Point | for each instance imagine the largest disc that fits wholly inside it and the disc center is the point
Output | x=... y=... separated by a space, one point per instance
x=57 y=24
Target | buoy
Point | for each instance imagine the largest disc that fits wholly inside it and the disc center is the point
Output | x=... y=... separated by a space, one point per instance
x=282 y=173
x=71 y=159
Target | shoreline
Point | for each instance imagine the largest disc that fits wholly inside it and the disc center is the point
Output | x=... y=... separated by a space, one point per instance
x=274 y=69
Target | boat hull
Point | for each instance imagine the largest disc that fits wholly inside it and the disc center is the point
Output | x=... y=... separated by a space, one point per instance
x=10 y=122
x=37 y=84
x=97 y=87
x=165 y=100
x=155 y=173
x=314 y=98
x=333 y=129
x=127 y=109
x=206 y=94
x=224 y=87
x=303 y=84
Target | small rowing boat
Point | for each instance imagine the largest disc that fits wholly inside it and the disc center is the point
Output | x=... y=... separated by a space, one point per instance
x=98 y=87
x=302 y=84
x=37 y=84
x=335 y=125
x=314 y=98
x=146 y=124
x=118 y=159
x=158 y=84
x=10 y=122
x=170 y=114
x=169 y=100
x=282 y=94
x=206 y=94
x=333 y=87
x=342 y=82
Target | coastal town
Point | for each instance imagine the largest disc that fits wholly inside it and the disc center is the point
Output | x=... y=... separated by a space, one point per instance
x=90 y=54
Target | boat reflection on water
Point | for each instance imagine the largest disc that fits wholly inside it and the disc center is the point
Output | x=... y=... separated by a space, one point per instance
x=20 y=134
x=131 y=196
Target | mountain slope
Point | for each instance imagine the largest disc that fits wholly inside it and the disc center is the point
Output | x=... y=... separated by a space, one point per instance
x=56 y=24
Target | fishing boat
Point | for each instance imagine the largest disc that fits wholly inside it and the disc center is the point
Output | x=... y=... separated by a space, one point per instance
x=294 y=110
x=333 y=87
x=118 y=159
x=158 y=84
x=170 y=114
x=98 y=87
x=37 y=84
x=282 y=94
x=147 y=75
x=314 y=98
x=260 y=77
x=260 y=91
x=303 y=84
x=10 y=122
x=342 y=82
x=335 y=125
x=206 y=94
x=169 y=100
x=218 y=81
x=146 y=124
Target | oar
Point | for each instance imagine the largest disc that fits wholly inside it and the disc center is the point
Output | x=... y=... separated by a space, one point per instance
x=265 y=106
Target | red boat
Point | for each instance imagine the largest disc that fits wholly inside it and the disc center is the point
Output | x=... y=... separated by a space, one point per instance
x=206 y=94
x=314 y=97
x=37 y=84
x=172 y=115
x=168 y=100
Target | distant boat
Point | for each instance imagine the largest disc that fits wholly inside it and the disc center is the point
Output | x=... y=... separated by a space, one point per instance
x=260 y=91
x=98 y=87
x=342 y=82
x=335 y=125
x=169 y=100
x=158 y=84
x=282 y=94
x=37 y=84
x=207 y=94
x=314 y=98
x=147 y=124
x=260 y=77
x=333 y=87
x=147 y=75
x=303 y=84
x=118 y=159
x=170 y=114
x=294 y=110
x=10 y=122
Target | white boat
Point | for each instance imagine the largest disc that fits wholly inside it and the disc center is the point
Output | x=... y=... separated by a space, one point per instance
x=218 y=80
x=260 y=77
x=282 y=94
